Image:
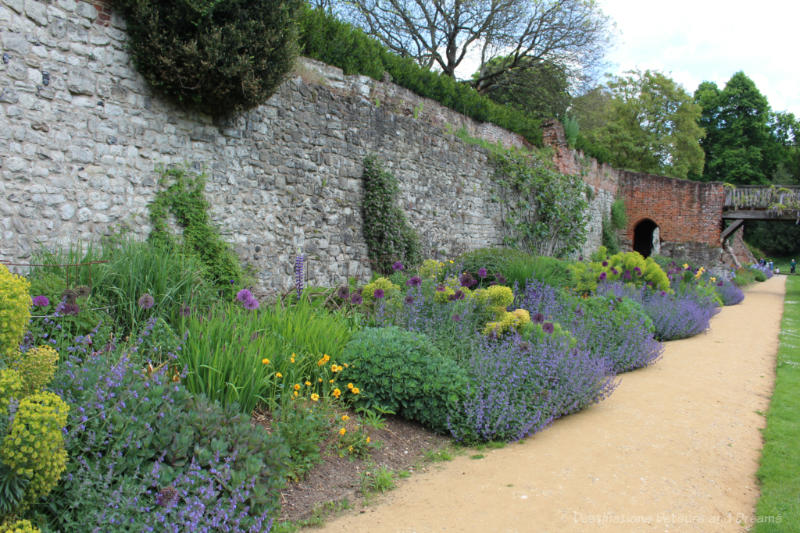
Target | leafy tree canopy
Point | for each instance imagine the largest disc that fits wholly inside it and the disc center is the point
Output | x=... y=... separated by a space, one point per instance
x=643 y=121
x=441 y=33
x=539 y=88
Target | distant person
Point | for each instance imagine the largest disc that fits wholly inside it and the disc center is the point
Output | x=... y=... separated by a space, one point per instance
x=769 y=265
x=792 y=266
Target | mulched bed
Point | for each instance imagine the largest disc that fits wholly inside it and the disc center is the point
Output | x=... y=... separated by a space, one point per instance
x=334 y=479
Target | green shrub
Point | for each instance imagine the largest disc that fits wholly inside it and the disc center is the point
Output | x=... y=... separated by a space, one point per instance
x=405 y=373
x=628 y=267
x=338 y=43
x=494 y=260
x=549 y=270
x=389 y=236
x=212 y=55
x=18 y=526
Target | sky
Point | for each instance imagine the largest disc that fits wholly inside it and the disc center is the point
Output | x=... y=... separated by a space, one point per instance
x=710 y=40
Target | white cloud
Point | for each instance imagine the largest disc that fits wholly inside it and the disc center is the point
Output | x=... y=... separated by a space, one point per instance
x=711 y=40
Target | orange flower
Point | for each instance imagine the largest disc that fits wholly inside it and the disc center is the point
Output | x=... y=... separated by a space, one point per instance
x=265 y=361
x=278 y=375
x=296 y=387
x=355 y=390
x=314 y=397
x=308 y=383
x=349 y=385
x=342 y=431
x=345 y=418
x=336 y=393
x=368 y=439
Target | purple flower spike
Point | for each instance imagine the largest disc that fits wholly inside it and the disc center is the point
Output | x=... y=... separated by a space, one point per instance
x=397 y=266
x=378 y=294
x=414 y=281
x=244 y=295
x=298 y=274
x=41 y=301
x=482 y=273
x=146 y=301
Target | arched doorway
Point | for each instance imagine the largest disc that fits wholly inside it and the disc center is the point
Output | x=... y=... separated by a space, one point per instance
x=646 y=239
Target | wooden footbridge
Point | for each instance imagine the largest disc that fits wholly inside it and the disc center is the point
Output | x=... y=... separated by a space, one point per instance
x=755 y=202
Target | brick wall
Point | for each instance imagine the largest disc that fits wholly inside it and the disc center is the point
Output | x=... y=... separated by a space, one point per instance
x=685 y=211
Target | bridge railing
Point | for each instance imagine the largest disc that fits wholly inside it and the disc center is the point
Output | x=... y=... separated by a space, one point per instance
x=776 y=200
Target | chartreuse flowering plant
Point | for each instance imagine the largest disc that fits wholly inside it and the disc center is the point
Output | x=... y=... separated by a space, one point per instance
x=15 y=305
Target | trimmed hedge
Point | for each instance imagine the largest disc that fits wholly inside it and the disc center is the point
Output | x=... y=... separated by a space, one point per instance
x=327 y=39
x=214 y=56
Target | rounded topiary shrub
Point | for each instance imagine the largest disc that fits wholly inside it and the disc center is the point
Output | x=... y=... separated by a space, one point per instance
x=403 y=372
x=212 y=55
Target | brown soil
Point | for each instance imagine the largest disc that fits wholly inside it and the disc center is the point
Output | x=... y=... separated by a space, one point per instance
x=401 y=446
x=675 y=448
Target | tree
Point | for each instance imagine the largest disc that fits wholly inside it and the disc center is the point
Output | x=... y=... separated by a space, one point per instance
x=643 y=121
x=738 y=141
x=569 y=33
x=540 y=89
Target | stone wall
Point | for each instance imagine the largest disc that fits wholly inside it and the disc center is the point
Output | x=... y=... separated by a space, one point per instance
x=84 y=135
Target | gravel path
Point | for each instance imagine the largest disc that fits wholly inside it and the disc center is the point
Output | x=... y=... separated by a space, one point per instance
x=675 y=448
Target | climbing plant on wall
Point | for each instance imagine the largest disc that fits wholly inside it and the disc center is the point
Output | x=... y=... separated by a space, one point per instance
x=182 y=196
x=389 y=236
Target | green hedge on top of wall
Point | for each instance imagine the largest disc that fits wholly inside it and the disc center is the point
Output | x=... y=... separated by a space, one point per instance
x=325 y=38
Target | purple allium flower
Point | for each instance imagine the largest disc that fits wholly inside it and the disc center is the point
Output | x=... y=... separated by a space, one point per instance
x=500 y=279
x=538 y=318
x=356 y=299
x=244 y=295
x=614 y=271
x=146 y=301
x=440 y=288
x=637 y=271
x=343 y=292
x=73 y=309
x=626 y=276
x=251 y=304
x=458 y=295
x=548 y=327
x=602 y=276
x=41 y=301
x=298 y=275
x=482 y=273
x=378 y=294
x=605 y=263
x=397 y=266
x=414 y=281
x=467 y=280
x=409 y=299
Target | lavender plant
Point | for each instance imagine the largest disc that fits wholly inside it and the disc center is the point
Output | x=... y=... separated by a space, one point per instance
x=729 y=292
x=517 y=387
x=675 y=316
x=605 y=327
x=147 y=455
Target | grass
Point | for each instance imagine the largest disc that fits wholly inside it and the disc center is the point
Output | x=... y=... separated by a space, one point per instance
x=778 y=509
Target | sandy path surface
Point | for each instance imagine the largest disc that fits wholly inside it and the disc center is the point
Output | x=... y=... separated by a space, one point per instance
x=675 y=448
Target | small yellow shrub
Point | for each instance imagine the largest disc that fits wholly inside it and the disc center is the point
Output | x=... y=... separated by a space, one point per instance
x=34 y=446
x=37 y=367
x=15 y=311
x=11 y=386
x=18 y=526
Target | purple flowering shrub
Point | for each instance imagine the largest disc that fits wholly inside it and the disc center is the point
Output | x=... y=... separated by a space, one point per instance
x=604 y=326
x=675 y=316
x=146 y=455
x=517 y=387
x=729 y=292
